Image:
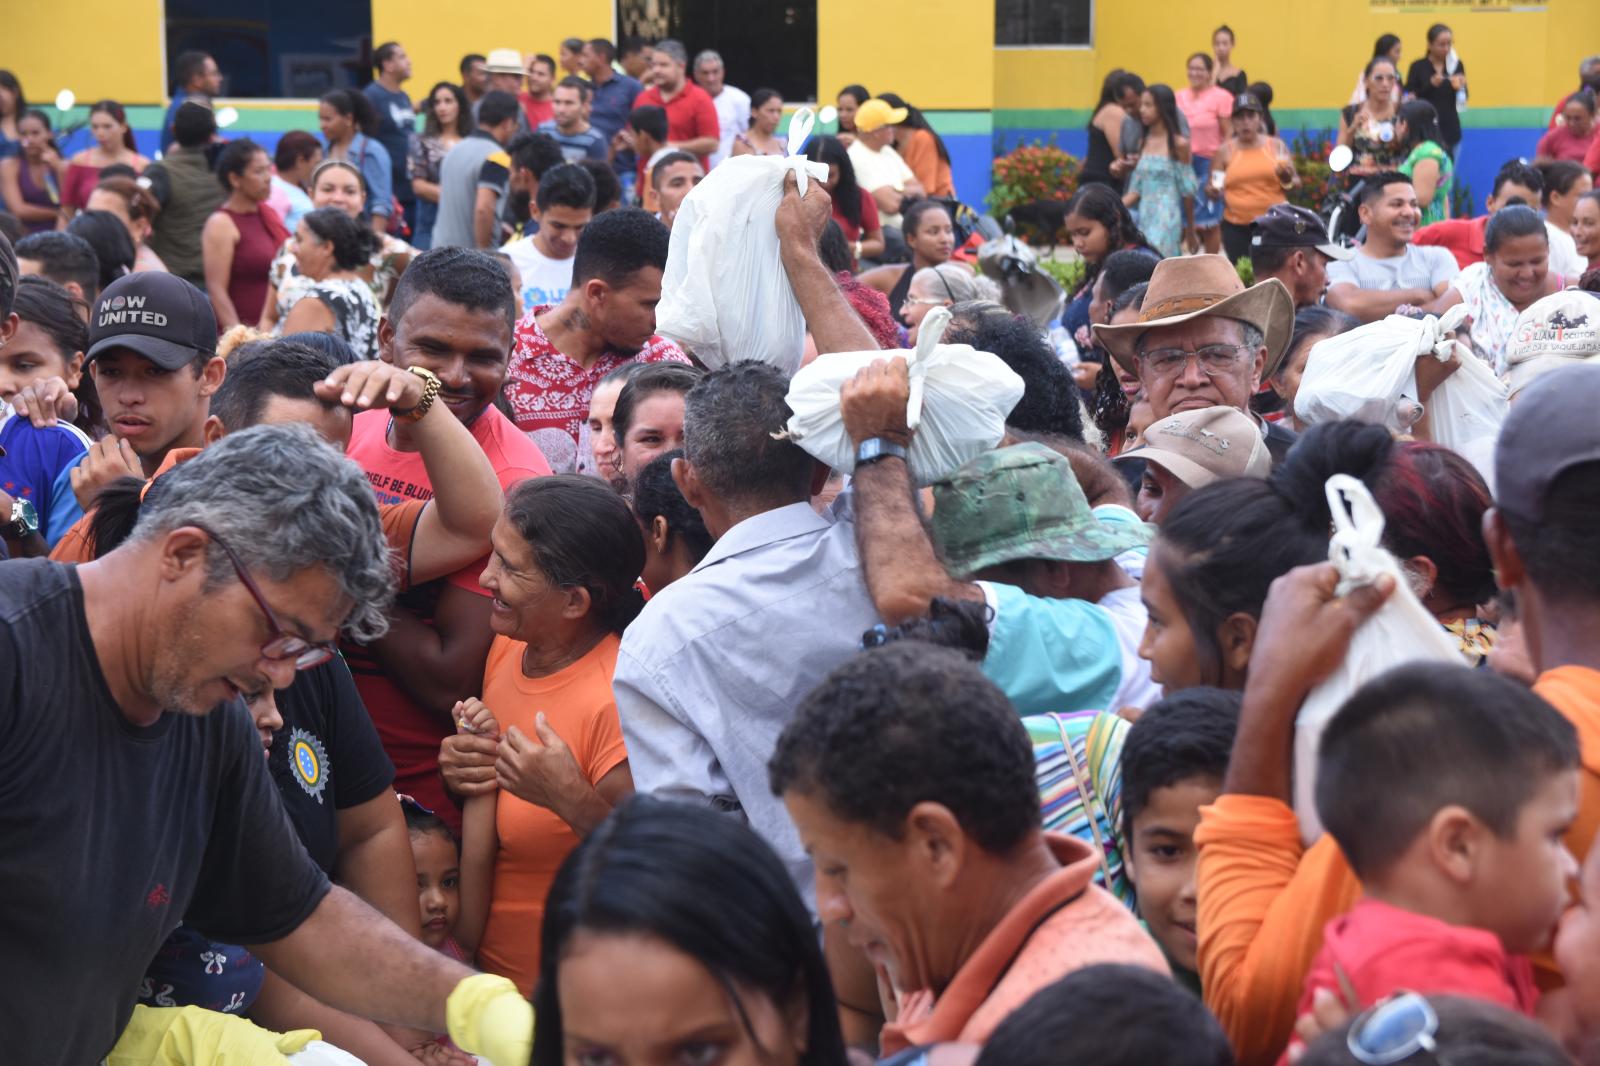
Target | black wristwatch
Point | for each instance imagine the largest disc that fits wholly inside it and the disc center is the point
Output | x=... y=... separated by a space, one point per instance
x=23 y=523
x=875 y=448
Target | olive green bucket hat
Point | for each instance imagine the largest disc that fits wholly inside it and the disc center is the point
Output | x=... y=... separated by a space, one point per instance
x=1022 y=502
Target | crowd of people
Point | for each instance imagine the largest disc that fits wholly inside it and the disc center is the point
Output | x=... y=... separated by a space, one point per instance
x=446 y=666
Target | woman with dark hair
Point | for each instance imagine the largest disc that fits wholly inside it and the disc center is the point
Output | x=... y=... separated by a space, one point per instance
x=931 y=237
x=30 y=180
x=338 y=184
x=1113 y=142
x=766 y=112
x=1227 y=76
x=1387 y=46
x=1162 y=188
x=13 y=102
x=1586 y=228
x=1439 y=78
x=675 y=536
x=1222 y=547
x=349 y=126
x=920 y=145
x=1115 y=390
x=648 y=419
x=136 y=207
x=330 y=248
x=1514 y=273
x=1263 y=91
x=240 y=239
x=850 y=99
x=1368 y=128
x=1565 y=183
x=293 y=162
x=567 y=552
x=113 y=248
x=113 y=145
x=1427 y=158
x=1099 y=224
x=1572 y=138
x=676 y=934
x=446 y=121
x=1312 y=323
x=598 y=453
x=1209 y=112
x=854 y=209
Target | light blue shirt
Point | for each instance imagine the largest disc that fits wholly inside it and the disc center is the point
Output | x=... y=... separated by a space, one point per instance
x=372 y=159
x=711 y=672
x=1051 y=655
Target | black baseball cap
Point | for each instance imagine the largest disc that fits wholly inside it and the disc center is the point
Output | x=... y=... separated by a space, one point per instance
x=1249 y=102
x=1550 y=430
x=160 y=316
x=1288 y=226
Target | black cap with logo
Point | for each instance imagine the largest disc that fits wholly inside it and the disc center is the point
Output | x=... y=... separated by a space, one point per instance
x=1288 y=226
x=156 y=315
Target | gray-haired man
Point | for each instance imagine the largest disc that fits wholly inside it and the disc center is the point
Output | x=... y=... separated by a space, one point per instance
x=136 y=792
x=732 y=103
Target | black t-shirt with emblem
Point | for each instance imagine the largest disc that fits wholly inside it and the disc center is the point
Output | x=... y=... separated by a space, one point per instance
x=327 y=757
x=113 y=832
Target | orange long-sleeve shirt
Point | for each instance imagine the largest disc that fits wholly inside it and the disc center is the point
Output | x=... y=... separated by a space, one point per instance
x=1265 y=899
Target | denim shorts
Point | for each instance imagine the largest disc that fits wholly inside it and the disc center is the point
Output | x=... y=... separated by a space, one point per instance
x=1207 y=212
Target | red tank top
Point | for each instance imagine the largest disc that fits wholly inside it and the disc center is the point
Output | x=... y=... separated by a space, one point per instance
x=261 y=234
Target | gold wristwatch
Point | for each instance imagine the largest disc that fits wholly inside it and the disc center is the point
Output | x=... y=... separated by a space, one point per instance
x=430 y=392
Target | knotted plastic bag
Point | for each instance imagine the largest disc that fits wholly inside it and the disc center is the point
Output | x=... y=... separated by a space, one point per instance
x=1402 y=631
x=1365 y=373
x=960 y=398
x=725 y=295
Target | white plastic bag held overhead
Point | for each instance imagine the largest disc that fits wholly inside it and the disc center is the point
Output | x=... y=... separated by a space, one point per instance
x=1401 y=632
x=1365 y=373
x=724 y=295
x=960 y=398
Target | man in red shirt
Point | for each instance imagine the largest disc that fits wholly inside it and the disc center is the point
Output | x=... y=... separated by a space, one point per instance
x=452 y=314
x=692 y=123
x=1588 y=78
x=1464 y=236
x=538 y=99
x=607 y=319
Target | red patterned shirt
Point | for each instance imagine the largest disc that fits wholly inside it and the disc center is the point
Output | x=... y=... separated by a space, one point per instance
x=549 y=393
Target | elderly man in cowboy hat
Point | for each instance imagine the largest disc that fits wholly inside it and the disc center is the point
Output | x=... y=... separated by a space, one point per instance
x=1204 y=340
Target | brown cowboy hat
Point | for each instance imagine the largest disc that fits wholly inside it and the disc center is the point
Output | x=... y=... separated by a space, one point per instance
x=1187 y=287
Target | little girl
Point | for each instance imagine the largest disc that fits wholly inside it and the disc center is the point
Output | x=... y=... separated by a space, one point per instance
x=438 y=860
x=480 y=839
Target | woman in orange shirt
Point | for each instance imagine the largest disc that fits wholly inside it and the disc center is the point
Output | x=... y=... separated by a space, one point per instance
x=923 y=150
x=1250 y=173
x=566 y=553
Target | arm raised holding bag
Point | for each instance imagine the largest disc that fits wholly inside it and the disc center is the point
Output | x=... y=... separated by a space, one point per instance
x=834 y=325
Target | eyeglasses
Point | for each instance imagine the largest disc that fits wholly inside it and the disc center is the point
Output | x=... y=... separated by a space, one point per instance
x=931 y=301
x=1214 y=359
x=1394 y=1030
x=282 y=646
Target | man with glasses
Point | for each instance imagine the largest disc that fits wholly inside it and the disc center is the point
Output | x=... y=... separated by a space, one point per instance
x=1204 y=340
x=137 y=794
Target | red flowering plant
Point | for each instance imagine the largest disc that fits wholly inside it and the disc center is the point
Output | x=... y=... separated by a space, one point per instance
x=1318 y=184
x=1030 y=173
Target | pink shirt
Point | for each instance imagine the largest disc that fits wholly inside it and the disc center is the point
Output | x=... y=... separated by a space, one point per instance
x=1205 y=111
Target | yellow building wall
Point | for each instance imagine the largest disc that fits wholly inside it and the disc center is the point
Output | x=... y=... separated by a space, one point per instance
x=874 y=42
x=1309 y=50
x=96 y=48
x=437 y=36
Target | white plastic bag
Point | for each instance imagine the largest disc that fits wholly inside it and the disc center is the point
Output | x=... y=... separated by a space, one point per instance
x=1363 y=374
x=1401 y=632
x=1466 y=412
x=960 y=398
x=724 y=295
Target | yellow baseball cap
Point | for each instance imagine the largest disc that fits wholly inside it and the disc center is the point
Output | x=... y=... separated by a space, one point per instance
x=876 y=114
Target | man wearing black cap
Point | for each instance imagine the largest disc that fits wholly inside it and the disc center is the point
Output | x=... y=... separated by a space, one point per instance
x=153 y=354
x=1291 y=244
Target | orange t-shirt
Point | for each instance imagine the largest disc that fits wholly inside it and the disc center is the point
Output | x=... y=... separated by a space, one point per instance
x=578 y=705
x=922 y=156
